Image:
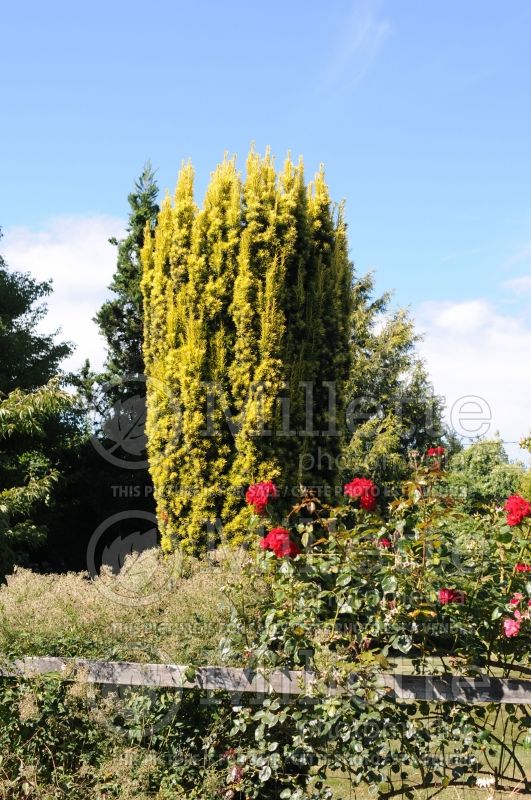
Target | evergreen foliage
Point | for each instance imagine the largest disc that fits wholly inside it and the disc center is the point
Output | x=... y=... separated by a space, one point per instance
x=34 y=418
x=115 y=398
x=247 y=304
x=189 y=276
x=120 y=319
x=392 y=409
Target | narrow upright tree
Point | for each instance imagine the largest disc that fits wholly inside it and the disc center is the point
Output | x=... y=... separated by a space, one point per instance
x=118 y=394
x=189 y=339
x=330 y=296
x=237 y=323
x=256 y=373
x=120 y=319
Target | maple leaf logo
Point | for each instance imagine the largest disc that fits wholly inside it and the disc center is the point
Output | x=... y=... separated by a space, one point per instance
x=126 y=426
x=116 y=553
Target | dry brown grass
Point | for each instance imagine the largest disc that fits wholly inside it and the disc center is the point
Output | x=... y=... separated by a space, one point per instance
x=155 y=609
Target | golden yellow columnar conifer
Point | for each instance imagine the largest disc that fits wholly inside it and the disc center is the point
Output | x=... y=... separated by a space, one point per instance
x=250 y=394
x=189 y=442
x=155 y=285
x=237 y=298
x=166 y=266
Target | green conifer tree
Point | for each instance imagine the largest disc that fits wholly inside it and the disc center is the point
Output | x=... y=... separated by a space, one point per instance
x=120 y=319
x=392 y=409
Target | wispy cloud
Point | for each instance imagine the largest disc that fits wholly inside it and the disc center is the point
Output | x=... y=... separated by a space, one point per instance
x=459 y=255
x=75 y=253
x=520 y=285
x=523 y=254
x=364 y=33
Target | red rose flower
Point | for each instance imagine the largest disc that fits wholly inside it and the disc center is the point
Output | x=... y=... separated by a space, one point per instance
x=259 y=495
x=434 y=452
x=279 y=542
x=523 y=568
x=385 y=543
x=365 y=490
x=516 y=509
x=451 y=596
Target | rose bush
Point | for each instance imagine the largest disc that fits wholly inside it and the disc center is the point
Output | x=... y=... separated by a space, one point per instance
x=351 y=592
x=345 y=593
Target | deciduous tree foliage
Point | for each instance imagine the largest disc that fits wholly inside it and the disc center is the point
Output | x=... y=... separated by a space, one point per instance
x=482 y=474
x=247 y=305
x=32 y=406
x=23 y=416
x=29 y=357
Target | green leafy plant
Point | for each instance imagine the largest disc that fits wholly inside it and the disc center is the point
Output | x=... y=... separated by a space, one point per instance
x=353 y=592
x=22 y=415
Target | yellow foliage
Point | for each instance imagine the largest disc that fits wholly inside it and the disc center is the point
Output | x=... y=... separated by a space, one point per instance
x=242 y=298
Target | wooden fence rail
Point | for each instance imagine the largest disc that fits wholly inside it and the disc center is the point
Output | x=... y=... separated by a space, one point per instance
x=433 y=688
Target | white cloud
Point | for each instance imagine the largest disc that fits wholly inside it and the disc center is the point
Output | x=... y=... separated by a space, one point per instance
x=461 y=318
x=473 y=350
x=75 y=253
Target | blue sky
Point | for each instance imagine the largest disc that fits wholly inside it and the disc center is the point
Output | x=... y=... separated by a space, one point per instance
x=420 y=112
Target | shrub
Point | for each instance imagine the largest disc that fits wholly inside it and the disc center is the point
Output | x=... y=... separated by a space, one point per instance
x=246 y=301
x=425 y=584
x=482 y=474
